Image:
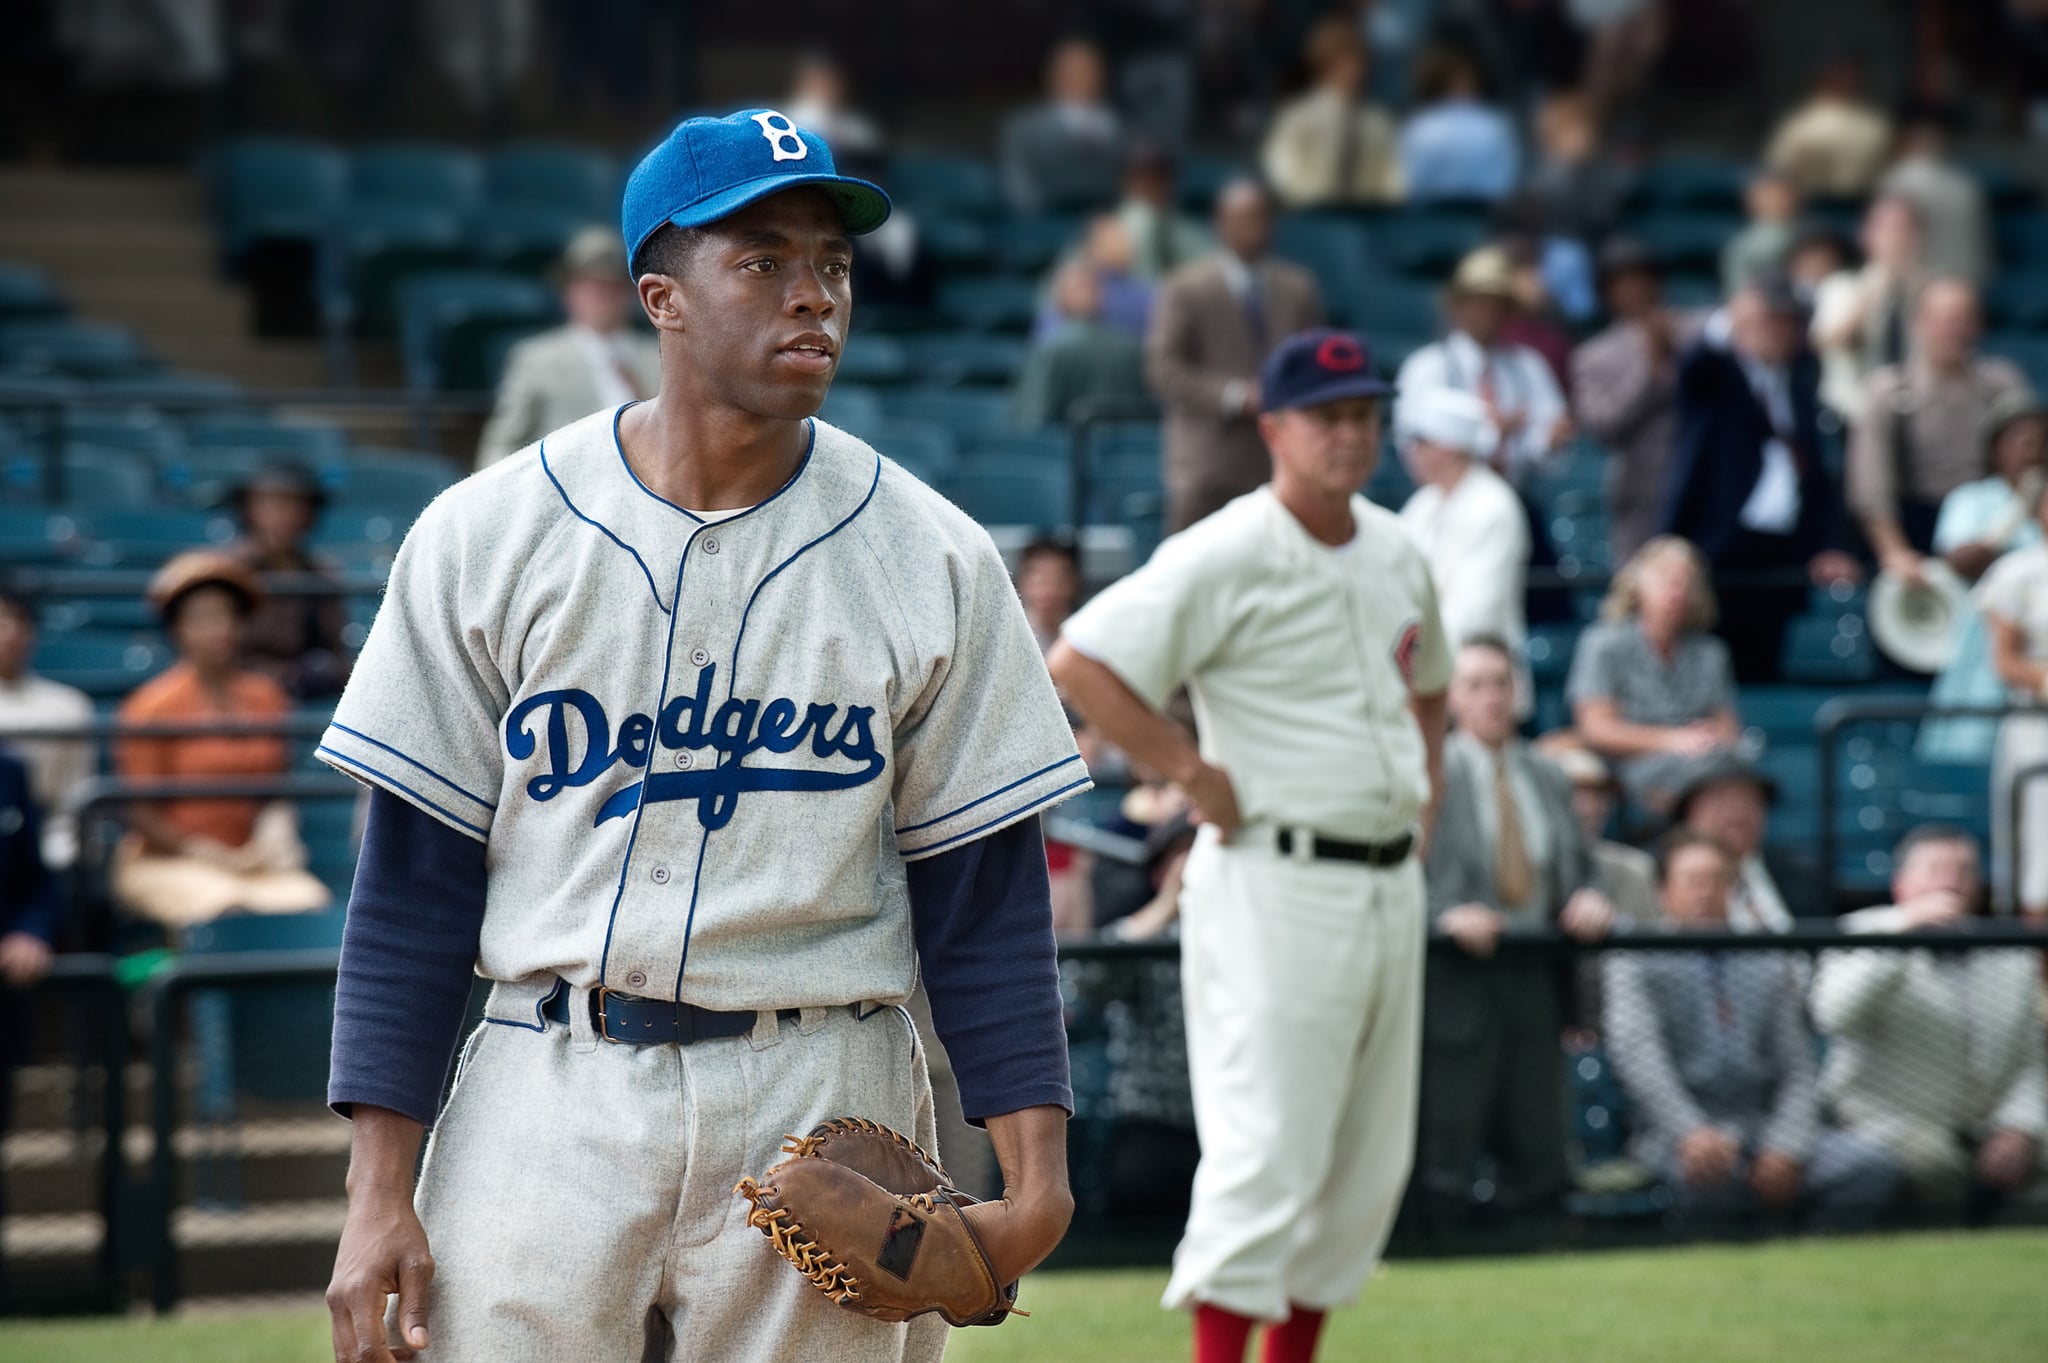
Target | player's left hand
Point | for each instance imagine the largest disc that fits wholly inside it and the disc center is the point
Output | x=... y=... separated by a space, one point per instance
x=1018 y=1231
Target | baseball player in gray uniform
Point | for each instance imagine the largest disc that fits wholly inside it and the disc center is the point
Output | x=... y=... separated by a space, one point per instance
x=697 y=728
x=1303 y=621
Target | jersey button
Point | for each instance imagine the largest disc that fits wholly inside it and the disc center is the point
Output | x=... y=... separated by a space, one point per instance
x=698 y=657
x=659 y=875
x=685 y=760
x=637 y=979
x=711 y=544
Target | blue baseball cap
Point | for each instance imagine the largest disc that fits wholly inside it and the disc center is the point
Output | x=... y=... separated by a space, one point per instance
x=1317 y=366
x=710 y=168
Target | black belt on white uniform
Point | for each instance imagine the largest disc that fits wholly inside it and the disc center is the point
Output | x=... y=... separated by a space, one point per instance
x=653 y=1022
x=1320 y=848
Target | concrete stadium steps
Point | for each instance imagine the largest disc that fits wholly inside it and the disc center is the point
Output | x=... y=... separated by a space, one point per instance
x=137 y=248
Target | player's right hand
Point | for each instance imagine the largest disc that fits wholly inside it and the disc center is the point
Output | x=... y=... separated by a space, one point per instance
x=383 y=1250
x=1214 y=799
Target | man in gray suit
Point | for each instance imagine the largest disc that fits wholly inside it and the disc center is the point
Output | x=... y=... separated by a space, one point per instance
x=1212 y=325
x=1067 y=152
x=1507 y=854
x=594 y=361
x=1713 y=1052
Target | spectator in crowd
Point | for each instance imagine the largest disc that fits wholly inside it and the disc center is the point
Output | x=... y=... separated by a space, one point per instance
x=1980 y=521
x=1650 y=688
x=1507 y=853
x=1455 y=145
x=1861 y=318
x=1513 y=381
x=1578 y=190
x=1332 y=145
x=592 y=362
x=1162 y=237
x=1125 y=298
x=2014 y=599
x=1747 y=482
x=1065 y=153
x=1760 y=248
x=1537 y=321
x=1625 y=390
x=295 y=640
x=1936 y=1055
x=1626 y=875
x=1081 y=357
x=190 y=860
x=1834 y=143
x=1466 y=520
x=820 y=98
x=1712 y=1049
x=1212 y=325
x=1951 y=202
x=29 y=919
x=56 y=766
x=1817 y=255
x=1921 y=432
x=1626 y=40
x=1049 y=584
x=1729 y=800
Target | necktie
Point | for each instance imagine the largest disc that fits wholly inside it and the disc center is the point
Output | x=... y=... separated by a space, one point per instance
x=1512 y=877
x=1255 y=314
x=1347 y=154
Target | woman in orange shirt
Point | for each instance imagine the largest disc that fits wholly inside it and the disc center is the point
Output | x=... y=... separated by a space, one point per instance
x=188 y=861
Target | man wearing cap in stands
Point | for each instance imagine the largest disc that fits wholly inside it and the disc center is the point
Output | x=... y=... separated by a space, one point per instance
x=1304 y=623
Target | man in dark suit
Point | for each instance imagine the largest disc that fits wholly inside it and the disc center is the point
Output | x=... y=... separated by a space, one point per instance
x=28 y=927
x=1212 y=325
x=1507 y=853
x=1065 y=153
x=1747 y=483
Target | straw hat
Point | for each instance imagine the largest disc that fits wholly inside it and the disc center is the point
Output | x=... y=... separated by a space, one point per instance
x=1487 y=272
x=196 y=568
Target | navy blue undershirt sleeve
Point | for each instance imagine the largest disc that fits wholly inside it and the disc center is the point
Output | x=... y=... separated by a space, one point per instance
x=408 y=955
x=982 y=917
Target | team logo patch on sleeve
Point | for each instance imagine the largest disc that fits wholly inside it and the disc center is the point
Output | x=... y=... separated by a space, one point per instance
x=1404 y=650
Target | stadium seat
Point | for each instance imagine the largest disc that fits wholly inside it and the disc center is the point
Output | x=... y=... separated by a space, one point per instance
x=988 y=450
x=141 y=430
x=525 y=238
x=307 y=442
x=558 y=175
x=281 y=188
x=101 y=663
x=2019 y=299
x=417 y=173
x=360 y=538
x=93 y=476
x=869 y=358
x=138 y=538
x=923 y=447
x=1001 y=303
x=1686 y=241
x=1397 y=307
x=2022 y=238
x=446 y=317
x=2028 y=351
x=371 y=246
x=1336 y=251
x=935 y=183
x=967 y=357
x=969 y=413
x=1550 y=650
x=1027 y=245
x=1034 y=498
x=1427 y=242
x=1828 y=648
x=956 y=243
x=83 y=349
x=400 y=482
x=174 y=391
x=1692 y=291
x=1783 y=715
x=27 y=293
x=37 y=536
x=853 y=409
x=1684 y=183
x=1202 y=177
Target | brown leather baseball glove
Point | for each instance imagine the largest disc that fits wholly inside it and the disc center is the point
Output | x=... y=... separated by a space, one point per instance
x=869 y=1218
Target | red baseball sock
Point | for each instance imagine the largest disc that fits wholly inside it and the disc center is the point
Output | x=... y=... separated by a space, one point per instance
x=1294 y=1339
x=1220 y=1335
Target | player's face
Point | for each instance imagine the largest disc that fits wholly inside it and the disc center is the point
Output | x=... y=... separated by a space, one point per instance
x=763 y=307
x=1331 y=448
x=1696 y=885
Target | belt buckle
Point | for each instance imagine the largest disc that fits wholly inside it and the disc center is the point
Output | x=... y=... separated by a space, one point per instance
x=600 y=1023
x=1302 y=845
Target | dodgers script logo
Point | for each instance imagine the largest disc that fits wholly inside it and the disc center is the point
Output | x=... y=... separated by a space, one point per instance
x=735 y=730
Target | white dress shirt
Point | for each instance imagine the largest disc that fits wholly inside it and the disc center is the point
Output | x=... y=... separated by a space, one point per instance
x=1521 y=384
x=1773 y=505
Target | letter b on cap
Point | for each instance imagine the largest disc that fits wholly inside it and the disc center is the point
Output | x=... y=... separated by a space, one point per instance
x=782 y=136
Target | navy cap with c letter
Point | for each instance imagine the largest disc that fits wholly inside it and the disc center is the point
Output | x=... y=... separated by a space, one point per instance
x=1317 y=366
x=710 y=168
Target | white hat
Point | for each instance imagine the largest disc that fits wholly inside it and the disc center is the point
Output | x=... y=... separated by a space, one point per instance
x=1449 y=417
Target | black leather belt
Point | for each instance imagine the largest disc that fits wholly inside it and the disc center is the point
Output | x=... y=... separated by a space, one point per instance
x=1336 y=849
x=652 y=1022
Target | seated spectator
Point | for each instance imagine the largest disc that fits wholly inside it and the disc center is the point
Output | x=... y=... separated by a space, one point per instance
x=1936 y=1055
x=1650 y=688
x=1577 y=190
x=1980 y=521
x=1817 y=255
x=1466 y=520
x=820 y=98
x=1162 y=238
x=593 y=361
x=1921 y=433
x=1835 y=143
x=1123 y=299
x=1951 y=202
x=1067 y=152
x=1455 y=145
x=1712 y=1049
x=1081 y=357
x=1212 y=326
x=1729 y=800
x=1760 y=248
x=1049 y=584
x=1626 y=875
x=29 y=919
x=1625 y=390
x=2014 y=599
x=1331 y=145
x=294 y=640
x=189 y=861
x=1748 y=485
x=1514 y=382
x=1861 y=318
x=1506 y=853
x=56 y=766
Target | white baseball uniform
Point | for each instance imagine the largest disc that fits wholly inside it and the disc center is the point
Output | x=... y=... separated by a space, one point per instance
x=699 y=753
x=1302 y=977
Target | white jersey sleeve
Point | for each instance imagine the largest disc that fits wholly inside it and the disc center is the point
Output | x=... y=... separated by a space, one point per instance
x=1156 y=628
x=986 y=742
x=420 y=715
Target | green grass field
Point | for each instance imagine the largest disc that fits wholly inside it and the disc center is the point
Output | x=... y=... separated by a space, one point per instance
x=1906 y=1299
